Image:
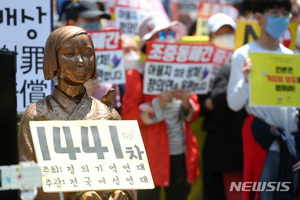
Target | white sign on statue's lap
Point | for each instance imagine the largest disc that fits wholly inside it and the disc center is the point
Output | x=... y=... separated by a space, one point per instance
x=91 y=155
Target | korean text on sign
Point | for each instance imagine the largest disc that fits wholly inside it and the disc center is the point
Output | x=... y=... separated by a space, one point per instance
x=91 y=155
x=184 y=66
x=109 y=56
x=276 y=76
x=25 y=26
x=208 y=8
x=130 y=12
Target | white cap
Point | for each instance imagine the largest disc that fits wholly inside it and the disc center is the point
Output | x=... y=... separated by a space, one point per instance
x=216 y=21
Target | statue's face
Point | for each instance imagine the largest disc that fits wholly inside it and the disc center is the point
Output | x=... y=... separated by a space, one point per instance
x=76 y=60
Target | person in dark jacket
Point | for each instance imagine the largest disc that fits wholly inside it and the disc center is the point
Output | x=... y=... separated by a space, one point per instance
x=222 y=151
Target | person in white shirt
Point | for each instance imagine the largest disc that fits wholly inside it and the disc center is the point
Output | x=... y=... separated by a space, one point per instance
x=264 y=153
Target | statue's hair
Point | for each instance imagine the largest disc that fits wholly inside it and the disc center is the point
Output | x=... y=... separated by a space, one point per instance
x=54 y=41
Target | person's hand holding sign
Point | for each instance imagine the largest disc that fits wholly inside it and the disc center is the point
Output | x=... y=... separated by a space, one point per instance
x=184 y=96
x=165 y=97
x=246 y=68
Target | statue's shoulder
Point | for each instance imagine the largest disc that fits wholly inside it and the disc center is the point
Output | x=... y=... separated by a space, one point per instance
x=104 y=111
x=35 y=110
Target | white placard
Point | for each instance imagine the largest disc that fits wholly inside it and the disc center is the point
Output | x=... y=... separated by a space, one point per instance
x=129 y=13
x=91 y=155
x=187 y=6
x=25 y=26
x=109 y=56
x=186 y=66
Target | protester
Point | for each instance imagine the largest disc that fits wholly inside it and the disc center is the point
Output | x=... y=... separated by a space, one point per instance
x=164 y=120
x=131 y=53
x=131 y=59
x=221 y=28
x=69 y=99
x=267 y=158
x=87 y=15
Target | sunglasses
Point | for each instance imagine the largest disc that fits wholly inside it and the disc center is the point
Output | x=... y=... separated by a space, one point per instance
x=163 y=34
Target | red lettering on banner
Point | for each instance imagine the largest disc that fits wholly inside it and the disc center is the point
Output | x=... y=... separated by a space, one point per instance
x=291 y=79
x=207 y=9
x=274 y=78
x=156 y=52
x=106 y=40
x=181 y=53
x=141 y=5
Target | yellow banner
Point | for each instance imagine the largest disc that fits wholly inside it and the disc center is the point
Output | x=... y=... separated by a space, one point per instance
x=247 y=31
x=274 y=79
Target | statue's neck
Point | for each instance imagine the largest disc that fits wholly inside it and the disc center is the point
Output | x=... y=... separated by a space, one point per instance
x=74 y=92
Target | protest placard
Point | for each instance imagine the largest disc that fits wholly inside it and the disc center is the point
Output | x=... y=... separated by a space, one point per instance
x=274 y=80
x=247 y=31
x=130 y=12
x=91 y=155
x=187 y=6
x=207 y=8
x=109 y=56
x=186 y=66
x=25 y=26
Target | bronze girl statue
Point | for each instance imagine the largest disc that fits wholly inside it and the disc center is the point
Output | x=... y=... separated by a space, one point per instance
x=70 y=56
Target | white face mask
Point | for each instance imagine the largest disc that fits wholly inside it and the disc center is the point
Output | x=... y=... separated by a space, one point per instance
x=91 y=26
x=224 y=41
x=131 y=61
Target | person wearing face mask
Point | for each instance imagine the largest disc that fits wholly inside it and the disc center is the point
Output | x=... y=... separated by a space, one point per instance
x=131 y=53
x=87 y=15
x=267 y=157
x=222 y=150
x=221 y=29
x=131 y=58
x=164 y=120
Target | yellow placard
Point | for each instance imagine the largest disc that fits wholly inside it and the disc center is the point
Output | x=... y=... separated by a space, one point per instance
x=194 y=39
x=274 y=79
x=201 y=27
x=247 y=31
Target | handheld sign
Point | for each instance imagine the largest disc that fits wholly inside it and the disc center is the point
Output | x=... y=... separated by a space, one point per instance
x=129 y=13
x=109 y=56
x=186 y=66
x=91 y=155
x=188 y=6
x=208 y=8
x=275 y=76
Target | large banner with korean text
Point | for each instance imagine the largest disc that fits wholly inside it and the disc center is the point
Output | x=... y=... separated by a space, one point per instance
x=128 y=13
x=25 y=26
x=191 y=67
x=91 y=155
x=208 y=8
x=109 y=56
x=274 y=80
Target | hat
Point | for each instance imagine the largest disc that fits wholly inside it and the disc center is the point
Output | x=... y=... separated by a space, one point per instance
x=216 y=21
x=85 y=9
x=153 y=23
